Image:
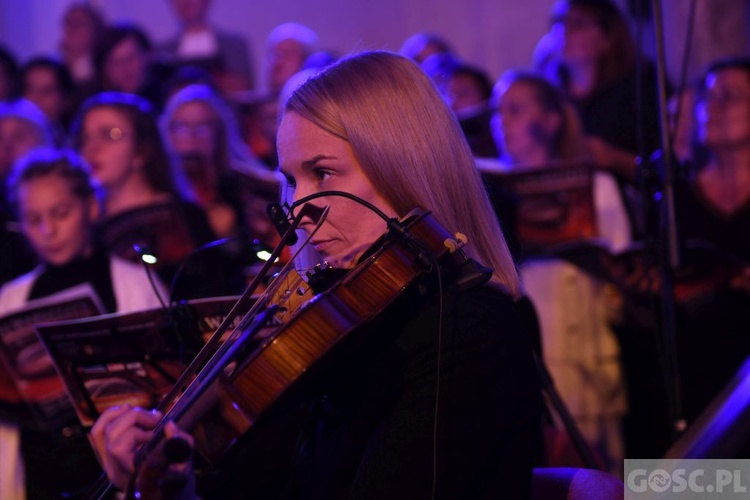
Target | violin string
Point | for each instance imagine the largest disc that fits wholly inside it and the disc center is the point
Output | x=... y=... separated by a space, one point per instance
x=321 y=219
x=245 y=301
x=196 y=384
x=278 y=280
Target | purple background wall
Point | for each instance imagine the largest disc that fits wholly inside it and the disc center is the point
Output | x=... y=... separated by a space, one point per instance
x=495 y=34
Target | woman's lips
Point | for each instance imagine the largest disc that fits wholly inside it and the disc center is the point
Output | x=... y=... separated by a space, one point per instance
x=320 y=246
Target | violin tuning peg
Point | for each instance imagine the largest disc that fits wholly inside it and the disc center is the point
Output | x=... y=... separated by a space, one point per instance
x=453 y=245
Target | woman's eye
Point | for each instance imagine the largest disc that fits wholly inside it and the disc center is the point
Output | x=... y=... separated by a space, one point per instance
x=322 y=174
x=290 y=181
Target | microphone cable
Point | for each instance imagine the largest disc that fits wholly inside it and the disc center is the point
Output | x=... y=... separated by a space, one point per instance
x=427 y=260
x=149 y=258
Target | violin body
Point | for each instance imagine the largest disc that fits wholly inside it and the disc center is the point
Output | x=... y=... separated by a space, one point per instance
x=306 y=330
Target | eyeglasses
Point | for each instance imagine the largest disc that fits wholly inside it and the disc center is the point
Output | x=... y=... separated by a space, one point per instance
x=104 y=135
x=202 y=130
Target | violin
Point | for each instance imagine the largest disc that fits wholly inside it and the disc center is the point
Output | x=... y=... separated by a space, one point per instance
x=282 y=344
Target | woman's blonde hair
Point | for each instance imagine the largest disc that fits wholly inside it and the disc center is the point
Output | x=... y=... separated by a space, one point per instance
x=409 y=145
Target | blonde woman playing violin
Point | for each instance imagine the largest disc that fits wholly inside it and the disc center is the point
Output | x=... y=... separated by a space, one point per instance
x=441 y=399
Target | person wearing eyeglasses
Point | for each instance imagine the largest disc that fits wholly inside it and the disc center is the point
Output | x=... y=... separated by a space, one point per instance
x=201 y=131
x=55 y=201
x=712 y=211
x=714 y=205
x=143 y=204
x=222 y=175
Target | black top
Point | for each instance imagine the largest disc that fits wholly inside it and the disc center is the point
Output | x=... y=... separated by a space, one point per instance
x=94 y=270
x=366 y=430
x=711 y=328
x=173 y=230
x=478 y=133
x=697 y=219
x=61 y=462
x=612 y=113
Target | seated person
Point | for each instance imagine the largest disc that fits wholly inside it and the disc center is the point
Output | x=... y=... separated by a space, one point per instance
x=421 y=45
x=23 y=127
x=712 y=210
x=225 y=55
x=123 y=60
x=55 y=200
x=118 y=136
x=537 y=128
x=47 y=83
x=201 y=132
x=467 y=90
x=82 y=25
x=287 y=48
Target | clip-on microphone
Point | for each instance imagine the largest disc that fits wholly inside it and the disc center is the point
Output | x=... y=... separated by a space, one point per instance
x=276 y=212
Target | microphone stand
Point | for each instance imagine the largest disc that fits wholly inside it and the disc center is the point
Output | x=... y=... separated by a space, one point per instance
x=574 y=433
x=668 y=229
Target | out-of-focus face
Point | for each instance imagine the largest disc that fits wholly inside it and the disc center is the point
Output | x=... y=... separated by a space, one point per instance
x=108 y=145
x=285 y=58
x=521 y=126
x=723 y=109
x=313 y=160
x=79 y=32
x=17 y=137
x=56 y=222
x=125 y=67
x=463 y=94
x=427 y=50
x=194 y=130
x=191 y=11
x=578 y=37
x=42 y=88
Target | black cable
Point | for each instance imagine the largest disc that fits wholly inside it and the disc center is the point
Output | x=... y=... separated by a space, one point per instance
x=429 y=262
x=142 y=253
x=343 y=194
x=394 y=225
x=195 y=251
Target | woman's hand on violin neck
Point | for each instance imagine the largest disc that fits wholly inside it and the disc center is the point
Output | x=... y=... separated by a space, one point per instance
x=117 y=435
x=167 y=472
